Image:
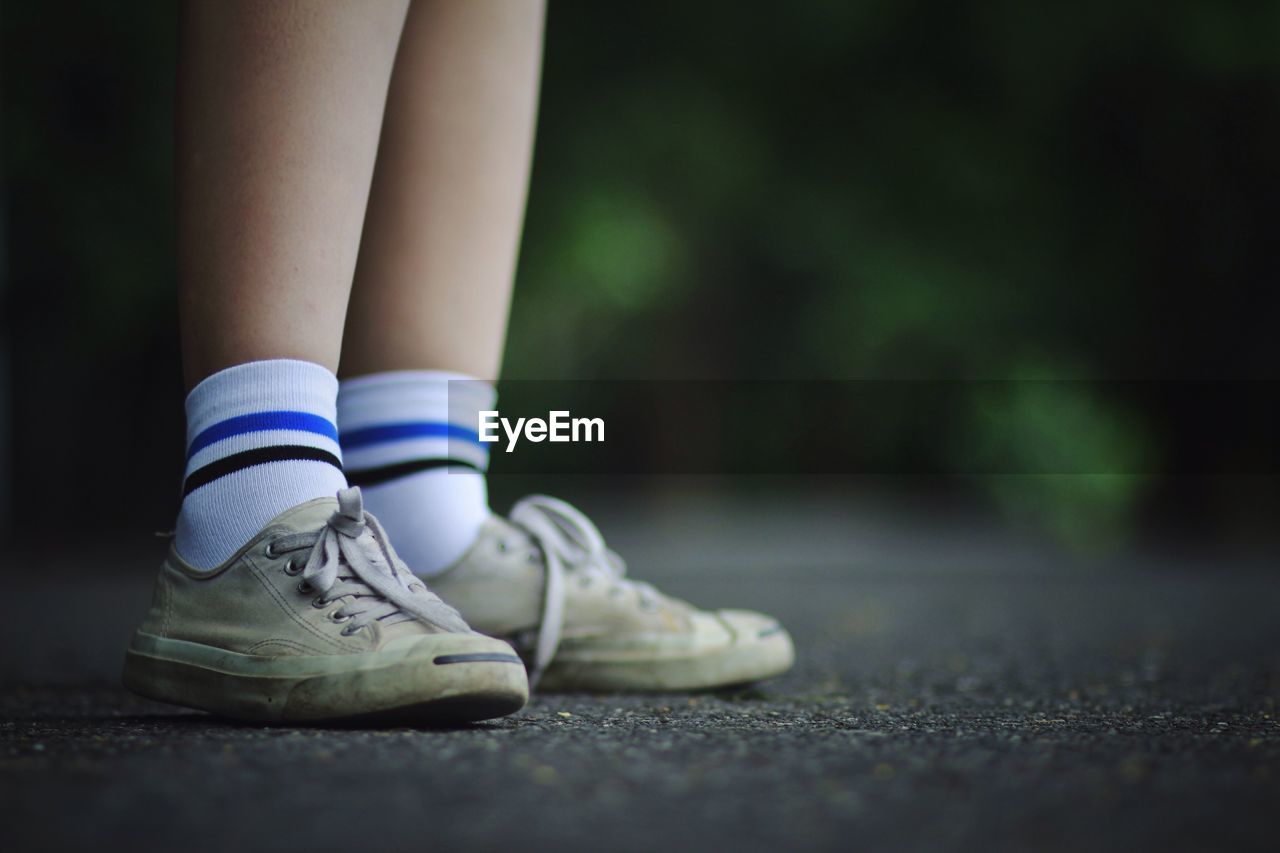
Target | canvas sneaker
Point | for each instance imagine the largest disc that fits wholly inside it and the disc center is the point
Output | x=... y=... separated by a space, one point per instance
x=317 y=620
x=545 y=581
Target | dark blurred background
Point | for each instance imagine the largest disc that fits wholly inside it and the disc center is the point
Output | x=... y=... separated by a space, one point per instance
x=826 y=190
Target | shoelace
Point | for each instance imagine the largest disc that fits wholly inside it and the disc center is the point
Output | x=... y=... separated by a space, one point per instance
x=569 y=543
x=350 y=559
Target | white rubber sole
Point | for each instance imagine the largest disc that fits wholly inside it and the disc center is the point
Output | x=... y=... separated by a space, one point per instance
x=444 y=678
x=766 y=652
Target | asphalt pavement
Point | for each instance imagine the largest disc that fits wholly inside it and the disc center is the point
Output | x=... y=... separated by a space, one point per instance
x=953 y=692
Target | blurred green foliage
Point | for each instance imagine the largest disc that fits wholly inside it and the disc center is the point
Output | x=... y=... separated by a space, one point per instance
x=1099 y=456
x=914 y=190
x=824 y=189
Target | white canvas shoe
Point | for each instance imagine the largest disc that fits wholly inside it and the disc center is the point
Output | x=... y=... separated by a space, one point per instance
x=316 y=620
x=546 y=582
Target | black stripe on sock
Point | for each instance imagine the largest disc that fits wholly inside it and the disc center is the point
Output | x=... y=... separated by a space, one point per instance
x=374 y=476
x=238 y=461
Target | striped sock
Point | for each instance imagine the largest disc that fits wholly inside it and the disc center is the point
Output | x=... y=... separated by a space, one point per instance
x=260 y=439
x=410 y=443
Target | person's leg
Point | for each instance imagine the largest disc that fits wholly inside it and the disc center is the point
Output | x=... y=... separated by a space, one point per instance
x=280 y=599
x=437 y=259
x=430 y=308
x=279 y=107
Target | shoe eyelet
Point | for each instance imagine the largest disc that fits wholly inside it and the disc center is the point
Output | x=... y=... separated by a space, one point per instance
x=351 y=629
x=320 y=603
x=339 y=616
x=306 y=588
x=270 y=551
x=293 y=568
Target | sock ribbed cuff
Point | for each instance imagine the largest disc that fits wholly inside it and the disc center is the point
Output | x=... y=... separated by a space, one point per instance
x=410 y=440
x=260 y=412
x=397 y=423
x=261 y=438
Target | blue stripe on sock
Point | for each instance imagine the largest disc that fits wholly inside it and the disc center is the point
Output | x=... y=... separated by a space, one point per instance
x=404 y=431
x=262 y=421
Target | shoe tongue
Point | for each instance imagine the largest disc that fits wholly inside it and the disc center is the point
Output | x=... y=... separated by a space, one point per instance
x=308 y=516
x=313 y=515
x=499 y=528
x=498 y=525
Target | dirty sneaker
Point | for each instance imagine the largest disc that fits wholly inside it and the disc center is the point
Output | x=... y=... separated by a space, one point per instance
x=545 y=581
x=317 y=620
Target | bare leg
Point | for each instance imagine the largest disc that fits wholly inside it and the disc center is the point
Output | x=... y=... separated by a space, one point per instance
x=433 y=283
x=279 y=111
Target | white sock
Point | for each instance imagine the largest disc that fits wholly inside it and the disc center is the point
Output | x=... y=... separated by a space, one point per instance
x=410 y=443
x=261 y=438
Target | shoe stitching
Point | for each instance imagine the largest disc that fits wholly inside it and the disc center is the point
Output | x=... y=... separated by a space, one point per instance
x=166 y=598
x=734 y=635
x=281 y=641
x=284 y=605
